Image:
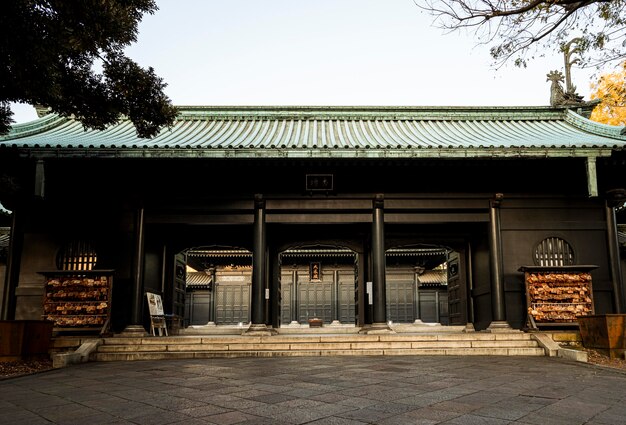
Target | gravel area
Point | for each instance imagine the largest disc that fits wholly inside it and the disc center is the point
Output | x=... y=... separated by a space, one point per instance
x=23 y=367
x=598 y=358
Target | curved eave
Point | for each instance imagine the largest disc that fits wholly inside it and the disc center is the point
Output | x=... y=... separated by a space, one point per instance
x=331 y=132
x=595 y=128
x=478 y=152
x=35 y=127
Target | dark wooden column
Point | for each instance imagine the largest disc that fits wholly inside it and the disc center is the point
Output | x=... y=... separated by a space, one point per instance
x=259 y=270
x=40 y=179
x=274 y=281
x=136 y=317
x=12 y=275
x=615 y=198
x=498 y=309
x=379 y=287
x=361 y=303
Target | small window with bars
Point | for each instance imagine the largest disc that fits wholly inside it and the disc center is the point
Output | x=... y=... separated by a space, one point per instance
x=77 y=255
x=553 y=252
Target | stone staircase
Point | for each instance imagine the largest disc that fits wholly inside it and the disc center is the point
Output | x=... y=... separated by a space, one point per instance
x=309 y=344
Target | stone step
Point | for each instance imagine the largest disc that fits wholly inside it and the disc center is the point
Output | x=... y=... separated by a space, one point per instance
x=163 y=355
x=496 y=344
x=306 y=345
x=517 y=336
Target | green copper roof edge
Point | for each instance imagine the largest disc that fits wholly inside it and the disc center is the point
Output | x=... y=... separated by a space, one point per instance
x=33 y=127
x=443 y=113
x=594 y=127
x=444 y=153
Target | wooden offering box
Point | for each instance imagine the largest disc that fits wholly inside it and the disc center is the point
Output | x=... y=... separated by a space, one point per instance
x=558 y=295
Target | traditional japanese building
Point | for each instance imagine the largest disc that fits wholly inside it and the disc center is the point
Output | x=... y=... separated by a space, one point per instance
x=358 y=216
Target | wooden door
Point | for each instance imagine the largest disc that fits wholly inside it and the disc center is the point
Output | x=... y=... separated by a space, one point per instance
x=457 y=289
x=178 y=290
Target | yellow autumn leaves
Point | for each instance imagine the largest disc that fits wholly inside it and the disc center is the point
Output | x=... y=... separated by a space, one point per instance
x=611 y=90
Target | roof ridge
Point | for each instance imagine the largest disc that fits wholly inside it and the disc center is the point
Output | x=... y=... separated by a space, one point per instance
x=373 y=112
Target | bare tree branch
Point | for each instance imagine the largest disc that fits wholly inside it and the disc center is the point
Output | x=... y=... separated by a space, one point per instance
x=514 y=27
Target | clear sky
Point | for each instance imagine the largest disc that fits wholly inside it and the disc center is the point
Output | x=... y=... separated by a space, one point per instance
x=326 y=52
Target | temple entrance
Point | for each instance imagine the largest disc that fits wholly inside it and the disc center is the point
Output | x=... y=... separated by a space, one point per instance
x=424 y=284
x=418 y=284
x=218 y=282
x=317 y=283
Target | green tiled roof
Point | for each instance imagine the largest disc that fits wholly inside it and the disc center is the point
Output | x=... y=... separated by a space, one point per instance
x=332 y=132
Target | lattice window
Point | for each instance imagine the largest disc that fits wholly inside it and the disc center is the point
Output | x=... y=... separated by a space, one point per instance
x=552 y=252
x=77 y=255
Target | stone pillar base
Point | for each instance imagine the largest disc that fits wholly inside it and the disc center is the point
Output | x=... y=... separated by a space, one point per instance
x=259 y=330
x=377 y=328
x=469 y=327
x=133 y=331
x=500 y=326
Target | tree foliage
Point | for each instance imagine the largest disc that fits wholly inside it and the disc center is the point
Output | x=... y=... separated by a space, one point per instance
x=517 y=30
x=611 y=90
x=69 y=56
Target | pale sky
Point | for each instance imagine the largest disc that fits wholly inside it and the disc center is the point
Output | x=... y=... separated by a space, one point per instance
x=326 y=52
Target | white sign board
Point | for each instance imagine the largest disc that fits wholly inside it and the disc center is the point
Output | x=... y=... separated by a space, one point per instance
x=155 y=304
x=370 y=292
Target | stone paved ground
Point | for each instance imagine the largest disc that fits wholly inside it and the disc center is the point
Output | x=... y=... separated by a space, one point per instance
x=322 y=391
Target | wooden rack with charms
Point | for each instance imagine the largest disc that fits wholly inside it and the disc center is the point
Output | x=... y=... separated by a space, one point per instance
x=78 y=300
x=558 y=295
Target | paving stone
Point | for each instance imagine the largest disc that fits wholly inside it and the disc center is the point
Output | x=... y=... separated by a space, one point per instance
x=471 y=419
x=67 y=413
x=334 y=390
x=405 y=419
x=333 y=420
x=509 y=409
x=455 y=406
x=160 y=418
x=206 y=410
x=41 y=401
x=272 y=398
x=366 y=414
x=431 y=414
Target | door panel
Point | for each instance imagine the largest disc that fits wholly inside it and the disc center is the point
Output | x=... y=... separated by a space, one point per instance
x=232 y=303
x=315 y=298
x=457 y=289
x=178 y=290
x=286 y=297
x=429 y=300
x=345 y=290
x=400 y=301
x=331 y=298
x=199 y=307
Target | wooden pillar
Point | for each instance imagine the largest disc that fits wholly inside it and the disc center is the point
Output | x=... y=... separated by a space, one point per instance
x=259 y=270
x=498 y=309
x=275 y=289
x=40 y=179
x=136 y=317
x=615 y=198
x=361 y=297
x=212 y=297
x=12 y=272
x=379 y=287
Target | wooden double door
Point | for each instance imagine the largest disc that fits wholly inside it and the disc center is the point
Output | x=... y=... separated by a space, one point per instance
x=330 y=297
